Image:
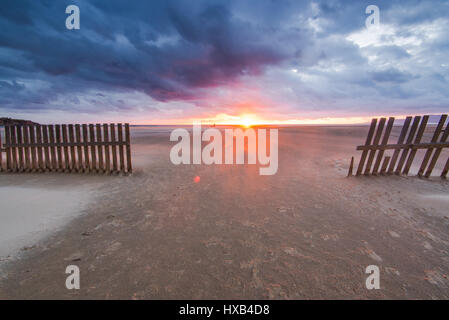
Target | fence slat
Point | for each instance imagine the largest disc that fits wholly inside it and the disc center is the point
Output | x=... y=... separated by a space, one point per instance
x=66 y=149
x=106 y=148
x=114 y=149
x=8 y=149
x=384 y=142
x=367 y=142
x=445 y=169
x=34 y=163
x=26 y=140
x=100 y=149
x=372 y=153
x=72 y=149
x=351 y=167
x=400 y=141
x=92 y=148
x=120 y=148
x=410 y=138
x=86 y=149
x=429 y=151
x=14 y=149
x=437 y=152
x=60 y=166
x=383 y=170
x=129 y=168
x=1 y=154
x=21 y=164
x=51 y=134
x=411 y=157
x=79 y=165
x=46 y=148
x=40 y=155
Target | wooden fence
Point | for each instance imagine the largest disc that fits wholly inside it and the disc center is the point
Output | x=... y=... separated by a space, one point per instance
x=404 y=150
x=66 y=148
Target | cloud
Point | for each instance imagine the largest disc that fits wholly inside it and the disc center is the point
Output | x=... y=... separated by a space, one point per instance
x=192 y=58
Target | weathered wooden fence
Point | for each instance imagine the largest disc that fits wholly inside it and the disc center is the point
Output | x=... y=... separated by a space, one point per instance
x=66 y=148
x=404 y=150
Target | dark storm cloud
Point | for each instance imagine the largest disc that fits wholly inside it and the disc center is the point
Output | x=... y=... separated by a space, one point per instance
x=117 y=46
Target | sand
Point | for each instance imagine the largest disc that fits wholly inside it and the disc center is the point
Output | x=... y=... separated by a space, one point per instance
x=306 y=232
x=30 y=214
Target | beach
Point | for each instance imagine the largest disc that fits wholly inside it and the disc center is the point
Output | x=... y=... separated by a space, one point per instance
x=306 y=232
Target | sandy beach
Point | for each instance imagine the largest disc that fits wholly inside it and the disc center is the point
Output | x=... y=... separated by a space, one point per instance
x=307 y=232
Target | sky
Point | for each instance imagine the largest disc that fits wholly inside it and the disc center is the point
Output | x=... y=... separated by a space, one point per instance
x=263 y=61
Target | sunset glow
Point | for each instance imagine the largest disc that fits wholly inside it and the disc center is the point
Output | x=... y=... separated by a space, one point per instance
x=249 y=120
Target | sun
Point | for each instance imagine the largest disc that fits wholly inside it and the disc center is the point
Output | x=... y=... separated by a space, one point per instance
x=246 y=121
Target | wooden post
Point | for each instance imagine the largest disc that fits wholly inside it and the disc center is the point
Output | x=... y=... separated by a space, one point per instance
x=72 y=149
x=367 y=142
x=20 y=148
x=34 y=163
x=1 y=154
x=80 y=163
x=100 y=149
x=445 y=170
x=51 y=132
x=92 y=148
x=13 y=149
x=106 y=148
x=429 y=151
x=411 y=157
x=86 y=149
x=437 y=153
x=46 y=148
x=65 y=141
x=114 y=149
x=40 y=157
x=26 y=141
x=372 y=153
x=385 y=165
x=8 y=148
x=59 y=148
x=380 y=154
x=128 y=149
x=120 y=148
x=409 y=140
x=351 y=167
x=400 y=141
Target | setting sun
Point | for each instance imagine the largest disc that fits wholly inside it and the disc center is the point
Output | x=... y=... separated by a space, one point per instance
x=246 y=122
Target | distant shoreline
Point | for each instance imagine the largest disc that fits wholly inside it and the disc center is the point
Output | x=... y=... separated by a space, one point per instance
x=9 y=121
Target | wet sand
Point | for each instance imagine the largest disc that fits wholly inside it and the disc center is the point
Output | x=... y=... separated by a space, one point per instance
x=306 y=232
